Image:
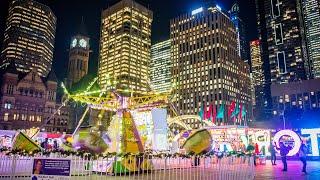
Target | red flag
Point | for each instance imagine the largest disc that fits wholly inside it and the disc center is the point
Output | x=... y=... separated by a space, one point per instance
x=204 y=111
x=214 y=114
x=209 y=113
x=231 y=108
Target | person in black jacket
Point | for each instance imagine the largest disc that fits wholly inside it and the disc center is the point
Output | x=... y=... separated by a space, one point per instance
x=283 y=153
x=273 y=154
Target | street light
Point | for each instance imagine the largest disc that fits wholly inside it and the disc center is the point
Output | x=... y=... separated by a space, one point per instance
x=283 y=118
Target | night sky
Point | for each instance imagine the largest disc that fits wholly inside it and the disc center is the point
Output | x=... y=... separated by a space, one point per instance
x=69 y=13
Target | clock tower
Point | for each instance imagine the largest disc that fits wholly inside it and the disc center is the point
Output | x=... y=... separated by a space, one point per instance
x=78 y=56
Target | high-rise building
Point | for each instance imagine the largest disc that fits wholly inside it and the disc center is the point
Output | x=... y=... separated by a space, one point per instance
x=282 y=39
x=242 y=43
x=257 y=77
x=78 y=57
x=256 y=63
x=292 y=100
x=125 y=45
x=206 y=66
x=160 y=67
x=29 y=37
x=311 y=14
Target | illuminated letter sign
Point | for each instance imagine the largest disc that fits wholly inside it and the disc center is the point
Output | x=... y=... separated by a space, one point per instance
x=196 y=11
x=314 y=139
x=296 y=139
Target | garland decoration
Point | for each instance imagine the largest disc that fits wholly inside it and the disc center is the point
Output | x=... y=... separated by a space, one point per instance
x=148 y=155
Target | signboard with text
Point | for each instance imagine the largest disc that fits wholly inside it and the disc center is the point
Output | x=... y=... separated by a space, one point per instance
x=46 y=168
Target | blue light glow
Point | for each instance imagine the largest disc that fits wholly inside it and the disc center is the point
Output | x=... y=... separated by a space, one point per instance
x=218 y=7
x=196 y=11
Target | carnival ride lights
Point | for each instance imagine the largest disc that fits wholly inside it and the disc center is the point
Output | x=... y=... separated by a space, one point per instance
x=179 y=120
x=125 y=106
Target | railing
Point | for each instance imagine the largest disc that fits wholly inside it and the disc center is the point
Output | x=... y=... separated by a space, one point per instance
x=165 y=167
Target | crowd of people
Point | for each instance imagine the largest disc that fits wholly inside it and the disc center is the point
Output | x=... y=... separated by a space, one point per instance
x=47 y=146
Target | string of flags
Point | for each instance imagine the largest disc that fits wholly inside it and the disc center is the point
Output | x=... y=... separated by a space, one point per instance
x=235 y=111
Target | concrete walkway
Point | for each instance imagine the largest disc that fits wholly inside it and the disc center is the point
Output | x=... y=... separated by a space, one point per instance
x=265 y=172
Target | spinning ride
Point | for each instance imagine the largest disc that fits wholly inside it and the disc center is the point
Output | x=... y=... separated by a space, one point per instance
x=128 y=115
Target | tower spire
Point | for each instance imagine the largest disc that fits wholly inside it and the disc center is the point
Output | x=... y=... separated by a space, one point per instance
x=82 y=28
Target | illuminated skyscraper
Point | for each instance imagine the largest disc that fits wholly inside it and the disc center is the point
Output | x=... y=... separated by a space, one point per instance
x=256 y=61
x=29 y=37
x=125 y=45
x=242 y=43
x=160 y=66
x=206 y=65
x=311 y=13
x=282 y=38
x=258 y=79
x=78 y=57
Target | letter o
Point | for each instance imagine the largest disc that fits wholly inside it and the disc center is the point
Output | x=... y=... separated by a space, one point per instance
x=296 y=139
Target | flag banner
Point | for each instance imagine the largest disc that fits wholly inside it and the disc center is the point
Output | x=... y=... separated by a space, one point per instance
x=214 y=114
x=201 y=112
x=221 y=112
x=235 y=111
x=231 y=108
x=243 y=112
x=210 y=112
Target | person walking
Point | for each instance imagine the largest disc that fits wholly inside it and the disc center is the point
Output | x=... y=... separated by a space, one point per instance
x=273 y=154
x=303 y=156
x=55 y=145
x=256 y=153
x=283 y=153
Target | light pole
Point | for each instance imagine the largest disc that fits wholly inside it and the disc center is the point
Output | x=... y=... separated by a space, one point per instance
x=284 y=121
x=283 y=118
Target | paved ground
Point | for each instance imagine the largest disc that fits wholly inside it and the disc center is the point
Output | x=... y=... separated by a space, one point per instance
x=264 y=172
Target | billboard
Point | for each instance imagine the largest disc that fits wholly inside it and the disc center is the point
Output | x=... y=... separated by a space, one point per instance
x=46 y=168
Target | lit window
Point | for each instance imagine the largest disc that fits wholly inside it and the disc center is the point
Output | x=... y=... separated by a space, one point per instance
x=6 y=117
x=8 y=105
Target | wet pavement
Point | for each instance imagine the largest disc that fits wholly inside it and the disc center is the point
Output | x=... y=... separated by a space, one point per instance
x=265 y=172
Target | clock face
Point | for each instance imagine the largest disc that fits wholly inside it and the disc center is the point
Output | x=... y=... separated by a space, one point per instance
x=74 y=43
x=83 y=43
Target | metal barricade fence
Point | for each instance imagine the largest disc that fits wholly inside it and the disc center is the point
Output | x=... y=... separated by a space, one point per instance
x=150 y=167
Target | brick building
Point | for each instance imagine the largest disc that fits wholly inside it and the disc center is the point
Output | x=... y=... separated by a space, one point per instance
x=28 y=100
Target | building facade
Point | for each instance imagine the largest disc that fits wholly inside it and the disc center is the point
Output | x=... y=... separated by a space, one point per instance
x=311 y=14
x=160 y=67
x=256 y=63
x=125 y=46
x=206 y=66
x=257 y=79
x=79 y=53
x=282 y=37
x=242 y=43
x=29 y=37
x=292 y=100
x=29 y=100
